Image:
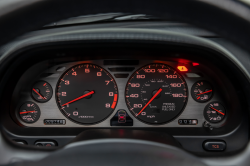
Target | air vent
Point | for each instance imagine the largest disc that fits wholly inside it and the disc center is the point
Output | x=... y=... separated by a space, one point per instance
x=121 y=75
x=119 y=69
x=121 y=62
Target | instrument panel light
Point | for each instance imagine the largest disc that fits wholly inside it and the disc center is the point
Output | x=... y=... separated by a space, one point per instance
x=182 y=68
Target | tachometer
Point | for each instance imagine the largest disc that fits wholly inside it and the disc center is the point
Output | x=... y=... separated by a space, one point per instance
x=156 y=94
x=86 y=94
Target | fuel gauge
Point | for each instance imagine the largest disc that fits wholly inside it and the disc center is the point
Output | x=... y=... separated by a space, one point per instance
x=202 y=91
x=41 y=91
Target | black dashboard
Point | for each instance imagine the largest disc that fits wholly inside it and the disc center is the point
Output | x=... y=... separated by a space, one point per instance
x=61 y=85
x=125 y=83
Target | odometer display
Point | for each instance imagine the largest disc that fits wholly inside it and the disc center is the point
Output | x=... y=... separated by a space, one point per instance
x=156 y=94
x=86 y=94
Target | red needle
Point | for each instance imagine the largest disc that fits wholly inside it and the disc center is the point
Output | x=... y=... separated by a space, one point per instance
x=205 y=92
x=39 y=94
x=85 y=95
x=26 y=112
x=217 y=110
x=158 y=92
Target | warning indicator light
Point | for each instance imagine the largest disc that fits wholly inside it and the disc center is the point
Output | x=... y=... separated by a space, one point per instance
x=182 y=68
x=195 y=64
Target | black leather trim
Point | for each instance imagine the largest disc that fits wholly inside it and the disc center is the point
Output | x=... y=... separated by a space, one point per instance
x=34 y=14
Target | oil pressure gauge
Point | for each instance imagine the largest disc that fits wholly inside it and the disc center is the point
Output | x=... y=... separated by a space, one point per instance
x=202 y=91
x=214 y=112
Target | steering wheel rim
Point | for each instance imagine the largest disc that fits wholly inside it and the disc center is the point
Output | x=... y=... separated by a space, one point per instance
x=120 y=152
x=33 y=14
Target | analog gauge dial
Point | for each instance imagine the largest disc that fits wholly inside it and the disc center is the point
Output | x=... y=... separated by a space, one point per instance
x=29 y=112
x=86 y=94
x=156 y=94
x=41 y=91
x=214 y=112
x=202 y=91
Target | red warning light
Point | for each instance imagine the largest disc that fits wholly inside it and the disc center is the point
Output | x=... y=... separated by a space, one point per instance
x=182 y=68
x=195 y=64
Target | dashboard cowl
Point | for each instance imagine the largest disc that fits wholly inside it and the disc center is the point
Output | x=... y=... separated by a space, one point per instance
x=127 y=134
x=109 y=35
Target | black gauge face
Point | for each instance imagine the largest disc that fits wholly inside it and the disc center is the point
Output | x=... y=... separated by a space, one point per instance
x=41 y=91
x=86 y=94
x=202 y=91
x=29 y=112
x=156 y=94
x=214 y=112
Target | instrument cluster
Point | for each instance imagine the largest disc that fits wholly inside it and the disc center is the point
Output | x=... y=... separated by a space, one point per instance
x=110 y=93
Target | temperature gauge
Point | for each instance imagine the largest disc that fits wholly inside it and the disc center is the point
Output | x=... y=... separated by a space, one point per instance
x=202 y=91
x=41 y=91
x=214 y=112
x=29 y=112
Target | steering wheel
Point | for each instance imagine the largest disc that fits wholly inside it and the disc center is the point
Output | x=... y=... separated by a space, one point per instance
x=230 y=19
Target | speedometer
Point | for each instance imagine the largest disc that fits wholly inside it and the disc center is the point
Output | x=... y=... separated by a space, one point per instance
x=156 y=94
x=86 y=94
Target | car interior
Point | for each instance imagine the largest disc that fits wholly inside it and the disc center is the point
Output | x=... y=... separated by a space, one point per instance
x=163 y=82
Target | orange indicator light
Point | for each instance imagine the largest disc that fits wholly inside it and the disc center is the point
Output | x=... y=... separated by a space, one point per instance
x=182 y=68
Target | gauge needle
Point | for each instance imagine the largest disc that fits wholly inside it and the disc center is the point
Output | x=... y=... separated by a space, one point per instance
x=205 y=92
x=217 y=111
x=26 y=112
x=158 y=92
x=85 y=95
x=39 y=94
